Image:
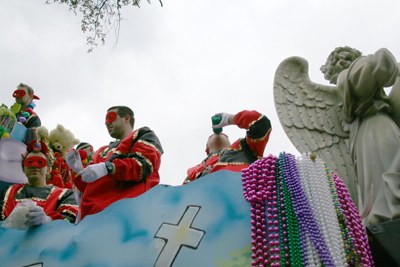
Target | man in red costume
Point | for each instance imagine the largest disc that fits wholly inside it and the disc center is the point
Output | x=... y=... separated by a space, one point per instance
x=52 y=203
x=126 y=168
x=24 y=96
x=221 y=155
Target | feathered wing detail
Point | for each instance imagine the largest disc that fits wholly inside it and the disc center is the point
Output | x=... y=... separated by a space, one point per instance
x=310 y=116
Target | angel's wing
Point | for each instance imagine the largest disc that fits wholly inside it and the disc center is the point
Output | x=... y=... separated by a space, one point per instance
x=310 y=115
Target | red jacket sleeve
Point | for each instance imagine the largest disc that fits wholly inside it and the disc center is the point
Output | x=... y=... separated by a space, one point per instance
x=66 y=206
x=259 y=129
x=143 y=158
x=81 y=185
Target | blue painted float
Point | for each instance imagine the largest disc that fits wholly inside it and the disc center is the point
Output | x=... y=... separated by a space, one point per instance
x=204 y=223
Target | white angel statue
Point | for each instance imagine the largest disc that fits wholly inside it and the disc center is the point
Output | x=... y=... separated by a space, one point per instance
x=353 y=126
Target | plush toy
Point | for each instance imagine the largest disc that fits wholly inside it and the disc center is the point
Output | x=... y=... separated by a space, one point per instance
x=42 y=134
x=61 y=140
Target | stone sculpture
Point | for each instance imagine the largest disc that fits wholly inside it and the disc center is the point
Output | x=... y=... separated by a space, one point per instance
x=353 y=126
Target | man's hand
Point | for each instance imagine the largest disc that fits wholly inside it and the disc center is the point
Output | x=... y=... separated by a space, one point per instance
x=93 y=172
x=74 y=160
x=36 y=216
x=226 y=119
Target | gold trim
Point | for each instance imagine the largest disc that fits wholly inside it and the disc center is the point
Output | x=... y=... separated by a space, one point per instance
x=68 y=211
x=3 y=216
x=34 y=198
x=106 y=151
x=51 y=191
x=147 y=160
x=187 y=180
x=150 y=145
x=236 y=149
x=252 y=123
x=62 y=193
x=198 y=174
x=141 y=169
x=101 y=154
x=135 y=136
x=230 y=163
x=117 y=152
x=261 y=138
x=66 y=205
x=19 y=191
x=31 y=116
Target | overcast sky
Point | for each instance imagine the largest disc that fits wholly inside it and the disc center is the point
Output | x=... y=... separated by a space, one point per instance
x=179 y=64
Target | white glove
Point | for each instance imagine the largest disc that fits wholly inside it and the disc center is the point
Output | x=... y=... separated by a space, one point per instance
x=18 y=217
x=224 y=120
x=93 y=172
x=36 y=216
x=74 y=161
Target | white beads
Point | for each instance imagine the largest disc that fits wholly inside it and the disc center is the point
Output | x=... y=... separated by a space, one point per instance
x=314 y=181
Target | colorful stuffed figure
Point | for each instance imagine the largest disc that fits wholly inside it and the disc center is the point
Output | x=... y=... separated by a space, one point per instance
x=7 y=120
x=60 y=140
x=42 y=134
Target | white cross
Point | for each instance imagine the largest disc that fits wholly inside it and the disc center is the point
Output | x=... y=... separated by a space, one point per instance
x=178 y=235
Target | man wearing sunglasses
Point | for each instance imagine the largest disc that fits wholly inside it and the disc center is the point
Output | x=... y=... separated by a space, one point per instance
x=125 y=168
x=52 y=203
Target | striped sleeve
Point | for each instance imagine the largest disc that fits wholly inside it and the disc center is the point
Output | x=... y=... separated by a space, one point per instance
x=143 y=159
x=258 y=129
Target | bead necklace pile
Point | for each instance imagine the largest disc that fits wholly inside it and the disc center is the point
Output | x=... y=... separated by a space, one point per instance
x=353 y=224
x=292 y=235
x=322 y=205
x=302 y=215
x=346 y=236
x=304 y=212
x=255 y=191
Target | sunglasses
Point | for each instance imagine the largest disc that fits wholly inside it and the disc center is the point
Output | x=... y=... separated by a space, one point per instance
x=35 y=161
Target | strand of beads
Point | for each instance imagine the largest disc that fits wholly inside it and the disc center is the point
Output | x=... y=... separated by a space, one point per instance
x=255 y=191
x=354 y=225
x=312 y=254
x=299 y=203
x=291 y=236
x=352 y=257
x=281 y=213
x=347 y=245
x=323 y=209
x=302 y=209
x=273 y=214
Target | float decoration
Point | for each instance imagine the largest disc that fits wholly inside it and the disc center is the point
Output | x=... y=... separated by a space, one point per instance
x=9 y=126
x=293 y=213
x=302 y=215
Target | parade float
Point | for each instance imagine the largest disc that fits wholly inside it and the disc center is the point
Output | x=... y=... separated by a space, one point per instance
x=262 y=219
x=281 y=211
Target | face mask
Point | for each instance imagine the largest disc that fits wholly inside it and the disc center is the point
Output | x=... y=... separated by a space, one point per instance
x=35 y=161
x=19 y=93
x=111 y=116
